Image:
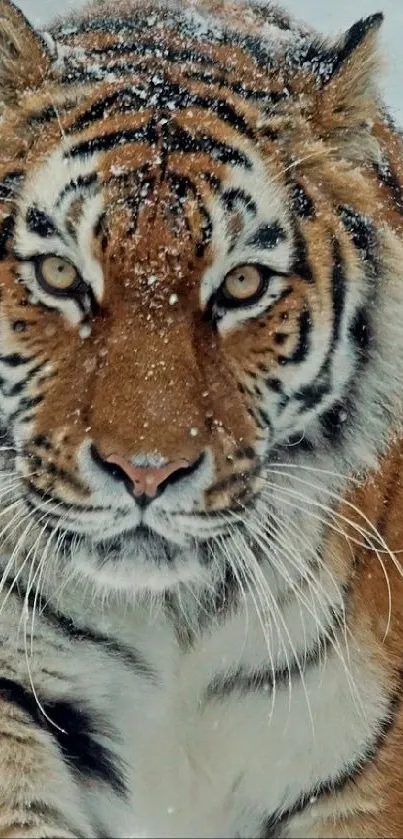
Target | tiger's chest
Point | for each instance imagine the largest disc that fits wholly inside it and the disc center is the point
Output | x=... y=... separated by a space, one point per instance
x=216 y=742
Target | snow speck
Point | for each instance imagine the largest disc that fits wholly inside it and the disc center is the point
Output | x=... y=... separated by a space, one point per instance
x=117 y=170
x=84 y=331
x=173 y=299
x=194 y=432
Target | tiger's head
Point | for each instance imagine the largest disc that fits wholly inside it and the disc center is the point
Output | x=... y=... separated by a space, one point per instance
x=190 y=258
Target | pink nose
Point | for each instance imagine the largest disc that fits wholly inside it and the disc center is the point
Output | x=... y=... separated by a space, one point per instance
x=147 y=479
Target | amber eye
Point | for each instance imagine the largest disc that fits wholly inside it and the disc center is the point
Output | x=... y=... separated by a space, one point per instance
x=243 y=284
x=57 y=275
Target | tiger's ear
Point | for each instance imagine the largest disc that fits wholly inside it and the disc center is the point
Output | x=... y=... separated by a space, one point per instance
x=347 y=75
x=24 y=56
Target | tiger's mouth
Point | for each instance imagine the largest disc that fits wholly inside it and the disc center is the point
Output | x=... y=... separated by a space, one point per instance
x=137 y=560
x=141 y=541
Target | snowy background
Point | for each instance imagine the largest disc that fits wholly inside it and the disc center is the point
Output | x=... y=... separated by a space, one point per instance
x=329 y=16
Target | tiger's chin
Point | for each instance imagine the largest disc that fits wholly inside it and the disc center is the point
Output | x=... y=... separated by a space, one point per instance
x=140 y=562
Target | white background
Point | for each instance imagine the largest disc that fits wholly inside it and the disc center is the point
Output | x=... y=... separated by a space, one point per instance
x=329 y=16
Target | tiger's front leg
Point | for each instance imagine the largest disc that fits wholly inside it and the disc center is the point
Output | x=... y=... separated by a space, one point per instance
x=38 y=795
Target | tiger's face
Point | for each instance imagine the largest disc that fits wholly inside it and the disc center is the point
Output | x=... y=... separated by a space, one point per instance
x=176 y=311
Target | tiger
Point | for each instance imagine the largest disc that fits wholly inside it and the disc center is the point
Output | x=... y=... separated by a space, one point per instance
x=201 y=382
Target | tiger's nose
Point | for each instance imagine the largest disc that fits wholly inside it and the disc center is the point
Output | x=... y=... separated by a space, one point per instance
x=148 y=480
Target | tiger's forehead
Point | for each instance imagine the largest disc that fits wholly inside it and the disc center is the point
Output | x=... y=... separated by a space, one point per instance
x=153 y=200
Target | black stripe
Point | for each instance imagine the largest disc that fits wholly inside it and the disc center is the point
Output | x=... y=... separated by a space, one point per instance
x=338 y=291
x=25 y=405
x=263 y=420
x=40 y=223
x=301 y=263
x=6 y=233
x=309 y=396
x=9 y=185
x=8 y=389
x=131 y=658
x=183 y=186
x=142 y=134
x=49 y=113
x=389 y=179
x=245 y=680
x=76 y=734
x=181 y=141
x=97 y=72
x=162 y=94
x=302 y=348
x=83 y=182
x=233 y=480
x=361 y=332
x=15 y=359
x=336 y=420
x=265 y=97
x=127 y=99
x=256 y=47
x=46 y=496
x=275 y=385
x=362 y=232
x=153 y=48
x=43 y=116
x=279 y=821
x=301 y=202
x=231 y=198
x=267 y=236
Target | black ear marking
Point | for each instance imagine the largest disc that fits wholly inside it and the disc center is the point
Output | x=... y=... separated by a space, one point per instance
x=326 y=59
x=355 y=36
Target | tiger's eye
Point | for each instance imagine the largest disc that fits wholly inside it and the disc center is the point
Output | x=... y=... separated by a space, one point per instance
x=242 y=283
x=57 y=274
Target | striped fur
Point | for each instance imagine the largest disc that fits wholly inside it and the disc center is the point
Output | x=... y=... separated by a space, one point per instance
x=226 y=660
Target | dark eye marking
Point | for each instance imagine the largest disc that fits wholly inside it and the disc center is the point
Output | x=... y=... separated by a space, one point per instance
x=267 y=236
x=232 y=198
x=40 y=223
